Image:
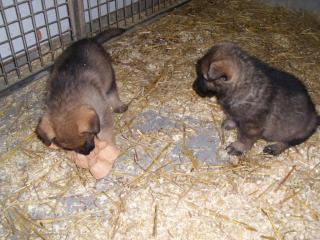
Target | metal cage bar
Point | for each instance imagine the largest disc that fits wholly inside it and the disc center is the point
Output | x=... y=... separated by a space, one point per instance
x=6 y=26
x=37 y=40
x=60 y=32
x=24 y=38
x=48 y=31
x=34 y=32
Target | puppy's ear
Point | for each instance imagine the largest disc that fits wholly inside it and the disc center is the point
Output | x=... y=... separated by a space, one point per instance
x=88 y=120
x=215 y=72
x=220 y=69
x=45 y=131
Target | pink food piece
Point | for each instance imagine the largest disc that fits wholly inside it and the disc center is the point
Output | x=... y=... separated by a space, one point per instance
x=81 y=160
x=104 y=161
x=99 y=161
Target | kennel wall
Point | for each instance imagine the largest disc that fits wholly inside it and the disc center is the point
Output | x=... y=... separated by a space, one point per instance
x=33 y=33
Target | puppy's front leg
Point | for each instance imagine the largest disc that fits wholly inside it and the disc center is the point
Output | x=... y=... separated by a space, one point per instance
x=229 y=124
x=106 y=133
x=242 y=145
x=248 y=134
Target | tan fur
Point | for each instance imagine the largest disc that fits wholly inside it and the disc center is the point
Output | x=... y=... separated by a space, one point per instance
x=69 y=132
x=82 y=92
x=45 y=130
x=86 y=119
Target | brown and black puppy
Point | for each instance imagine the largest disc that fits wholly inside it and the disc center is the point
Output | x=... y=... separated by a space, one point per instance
x=260 y=101
x=82 y=91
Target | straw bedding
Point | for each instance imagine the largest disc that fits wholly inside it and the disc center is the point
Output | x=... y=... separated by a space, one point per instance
x=173 y=179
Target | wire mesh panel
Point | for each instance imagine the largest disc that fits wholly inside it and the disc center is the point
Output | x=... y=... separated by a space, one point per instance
x=34 y=32
x=31 y=35
x=100 y=15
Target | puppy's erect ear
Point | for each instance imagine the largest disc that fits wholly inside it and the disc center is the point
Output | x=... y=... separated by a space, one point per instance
x=214 y=72
x=220 y=69
x=45 y=131
x=88 y=120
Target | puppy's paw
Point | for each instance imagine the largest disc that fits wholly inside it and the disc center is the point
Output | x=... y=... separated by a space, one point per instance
x=275 y=149
x=121 y=109
x=235 y=148
x=228 y=124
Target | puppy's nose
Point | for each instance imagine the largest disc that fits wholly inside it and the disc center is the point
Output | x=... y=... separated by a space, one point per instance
x=87 y=148
x=199 y=87
x=194 y=86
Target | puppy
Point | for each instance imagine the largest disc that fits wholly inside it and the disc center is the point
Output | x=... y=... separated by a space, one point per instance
x=82 y=91
x=260 y=101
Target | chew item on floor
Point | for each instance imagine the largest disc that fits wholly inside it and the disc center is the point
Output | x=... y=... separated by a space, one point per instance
x=99 y=161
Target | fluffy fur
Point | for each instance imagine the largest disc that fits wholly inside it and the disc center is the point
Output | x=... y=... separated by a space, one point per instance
x=259 y=100
x=82 y=91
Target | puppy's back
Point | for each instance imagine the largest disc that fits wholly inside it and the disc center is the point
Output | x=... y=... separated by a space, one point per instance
x=82 y=72
x=84 y=64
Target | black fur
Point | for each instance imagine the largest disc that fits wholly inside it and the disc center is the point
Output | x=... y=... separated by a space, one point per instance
x=262 y=101
x=108 y=34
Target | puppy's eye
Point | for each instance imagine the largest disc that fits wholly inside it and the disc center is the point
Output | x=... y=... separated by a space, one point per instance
x=224 y=78
x=203 y=76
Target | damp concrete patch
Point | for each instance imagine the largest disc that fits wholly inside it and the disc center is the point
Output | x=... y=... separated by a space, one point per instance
x=203 y=141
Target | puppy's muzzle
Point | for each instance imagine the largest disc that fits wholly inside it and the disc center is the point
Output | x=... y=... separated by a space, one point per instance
x=199 y=86
x=86 y=148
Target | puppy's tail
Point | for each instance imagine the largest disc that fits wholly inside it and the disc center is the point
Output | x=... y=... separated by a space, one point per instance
x=108 y=34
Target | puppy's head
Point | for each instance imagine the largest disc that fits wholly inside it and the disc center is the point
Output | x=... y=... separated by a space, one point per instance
x=74 y=131
x=216 y=71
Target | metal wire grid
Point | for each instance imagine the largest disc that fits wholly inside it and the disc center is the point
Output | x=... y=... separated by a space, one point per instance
x=32 y=36
x=42 y=42
x=120 y=13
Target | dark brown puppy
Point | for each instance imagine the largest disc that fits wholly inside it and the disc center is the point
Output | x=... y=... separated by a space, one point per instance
x=260 y=101
x=82 y=90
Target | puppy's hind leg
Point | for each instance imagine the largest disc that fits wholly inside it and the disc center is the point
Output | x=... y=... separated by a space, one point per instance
x=113 y=97
x=300 y=137
x=276 y=149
